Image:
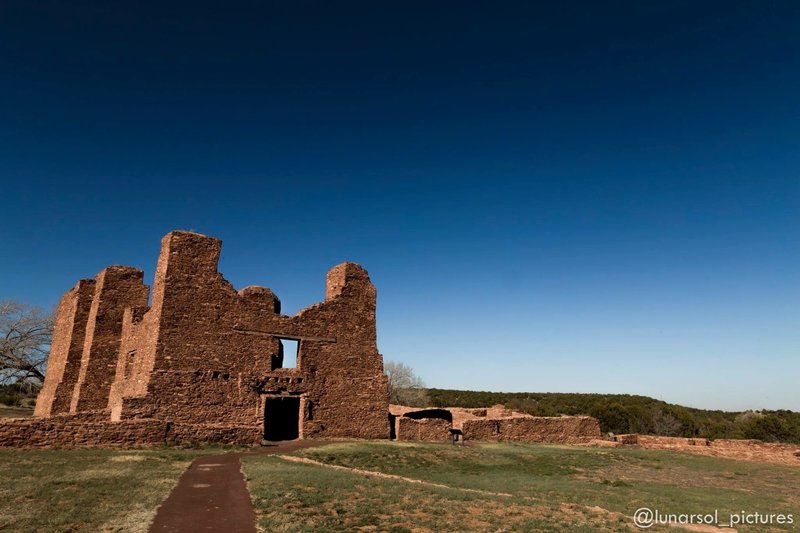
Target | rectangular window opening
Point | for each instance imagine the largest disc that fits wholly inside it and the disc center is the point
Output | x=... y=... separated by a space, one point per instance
x=290 y=349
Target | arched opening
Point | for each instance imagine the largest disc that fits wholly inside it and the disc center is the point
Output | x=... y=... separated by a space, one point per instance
x=442 y=414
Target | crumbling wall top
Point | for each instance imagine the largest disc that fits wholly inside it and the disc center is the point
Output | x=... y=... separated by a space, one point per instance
x=263 y=295
x=346 y=277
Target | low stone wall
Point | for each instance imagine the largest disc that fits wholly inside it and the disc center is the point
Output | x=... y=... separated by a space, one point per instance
x=204 y=433
x=665 y=442
x=565 y=429
x=628 y=439
x=742 y=449
x=69 y=433
x=425 y=429
x=87 y=430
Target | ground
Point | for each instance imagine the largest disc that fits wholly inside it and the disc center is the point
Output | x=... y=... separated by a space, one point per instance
x=87 y=490
x=15 y=412
x=547 y=488
x=429 y=487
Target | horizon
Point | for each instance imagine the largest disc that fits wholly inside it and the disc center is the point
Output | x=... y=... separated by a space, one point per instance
x=573 y=198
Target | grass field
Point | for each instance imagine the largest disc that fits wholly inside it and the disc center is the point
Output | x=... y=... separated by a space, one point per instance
x=550 y=488
x=86 y=490
x=545 y=488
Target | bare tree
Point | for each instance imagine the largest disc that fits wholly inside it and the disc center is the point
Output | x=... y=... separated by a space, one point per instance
x=405 y=387
x=25 y=336
x=664 y=423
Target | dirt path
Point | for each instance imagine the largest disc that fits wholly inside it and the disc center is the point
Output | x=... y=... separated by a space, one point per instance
x=212 y=495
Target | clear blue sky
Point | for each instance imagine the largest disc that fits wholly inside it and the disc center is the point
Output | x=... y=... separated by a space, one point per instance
x=574 y=197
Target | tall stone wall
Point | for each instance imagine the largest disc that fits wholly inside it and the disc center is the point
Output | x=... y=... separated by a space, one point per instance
x=116 y=288
x=63 y=365
x=204 y=355
x=211 y=354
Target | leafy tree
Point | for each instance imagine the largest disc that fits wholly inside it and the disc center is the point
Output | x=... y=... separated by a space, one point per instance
x=614 y=418
x=769 y=427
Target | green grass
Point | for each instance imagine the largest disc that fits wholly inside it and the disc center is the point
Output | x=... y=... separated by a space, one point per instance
x=298 y=497
x=553 y=487
x=87 y=490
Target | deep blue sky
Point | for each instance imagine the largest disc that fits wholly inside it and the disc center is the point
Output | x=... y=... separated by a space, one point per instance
x=576 y=197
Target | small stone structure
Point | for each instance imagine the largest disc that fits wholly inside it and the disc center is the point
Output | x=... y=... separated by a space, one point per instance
x=203 y=362
x=489 y=424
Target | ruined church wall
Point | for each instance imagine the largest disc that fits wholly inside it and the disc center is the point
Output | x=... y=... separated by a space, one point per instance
x=208 y=356
x=346 y=392
x=199 y=310
x=203 y=354
x=139 y=341
x=201 y=396
x=64 y=361
x=138 y=337
x=193 y=367
x=116 y=288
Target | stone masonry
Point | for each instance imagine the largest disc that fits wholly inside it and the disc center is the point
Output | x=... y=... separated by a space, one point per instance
x=204 y=362
x=443 y=424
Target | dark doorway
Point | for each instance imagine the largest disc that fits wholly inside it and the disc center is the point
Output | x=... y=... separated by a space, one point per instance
x=282 y=418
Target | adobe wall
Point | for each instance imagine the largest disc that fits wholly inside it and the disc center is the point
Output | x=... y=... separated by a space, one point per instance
x=116 y=288
x=63 y=364
x=203 y=358
x=71 y=431
x=494 y=423
x=425 y=430
x=563 y=429
x=204 y=353
x=740 y=449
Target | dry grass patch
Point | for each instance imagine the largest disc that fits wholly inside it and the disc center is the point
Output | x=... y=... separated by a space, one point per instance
x=87 y=490
x=302 y=497
x=581 y=485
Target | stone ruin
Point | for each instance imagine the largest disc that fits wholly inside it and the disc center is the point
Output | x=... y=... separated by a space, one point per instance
x=203 y=362
x=493 y=424
x=194 y=360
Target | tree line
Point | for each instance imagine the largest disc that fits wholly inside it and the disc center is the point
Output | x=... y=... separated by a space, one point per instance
x=625 y=413
x=26 y=333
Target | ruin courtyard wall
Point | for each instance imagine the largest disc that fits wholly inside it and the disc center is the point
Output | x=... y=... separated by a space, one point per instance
x=562 y=429
x=424 y=430
x=491 y=424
